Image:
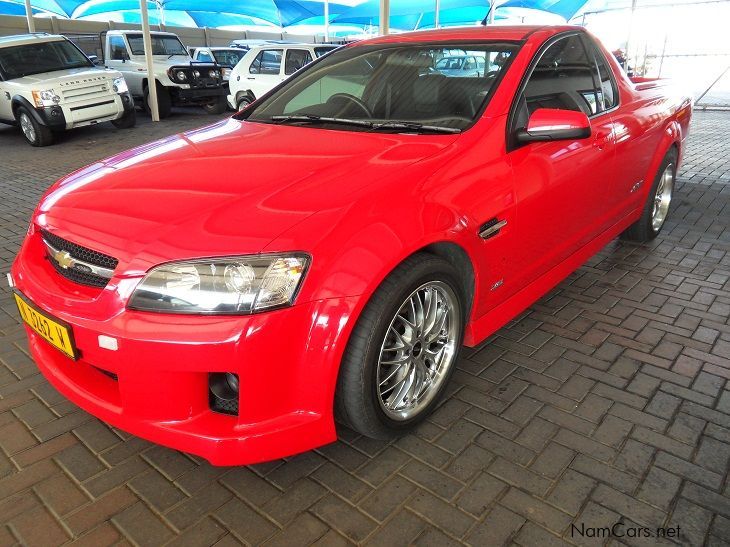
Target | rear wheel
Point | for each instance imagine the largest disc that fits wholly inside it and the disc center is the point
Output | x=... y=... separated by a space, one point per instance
x=164 y=102
x=403 y=349
x=218 y=106
x=657 y=203
x=34 y=132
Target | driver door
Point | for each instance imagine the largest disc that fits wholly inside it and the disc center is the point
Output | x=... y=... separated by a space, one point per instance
x=562 y=187
x=265 y=71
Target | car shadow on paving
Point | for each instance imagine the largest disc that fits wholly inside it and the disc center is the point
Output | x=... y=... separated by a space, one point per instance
x=607 y=400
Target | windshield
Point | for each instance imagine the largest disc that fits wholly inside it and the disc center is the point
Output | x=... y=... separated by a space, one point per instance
x=228 y=57
x=19 y=61
x=161 y=45
x=397 y=88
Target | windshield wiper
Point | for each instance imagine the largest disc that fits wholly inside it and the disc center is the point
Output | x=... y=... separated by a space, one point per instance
x=310 y=118
x=415 y=126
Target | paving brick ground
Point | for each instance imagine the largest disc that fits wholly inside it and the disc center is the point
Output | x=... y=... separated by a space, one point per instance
x=607 y=401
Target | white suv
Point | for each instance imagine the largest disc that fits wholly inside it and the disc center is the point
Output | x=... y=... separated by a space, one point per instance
x=48 y=84
x=266 y=66
x=180 y=80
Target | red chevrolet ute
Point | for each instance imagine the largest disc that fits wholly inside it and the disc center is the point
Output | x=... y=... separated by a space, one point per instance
x=323 y=255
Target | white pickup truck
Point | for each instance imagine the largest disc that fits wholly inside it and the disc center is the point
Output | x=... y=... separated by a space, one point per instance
x=47 y=85
x=180 y=80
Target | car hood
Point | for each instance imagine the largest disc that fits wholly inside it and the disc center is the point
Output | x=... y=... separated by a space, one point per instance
x=230 y=188
x=47 y=80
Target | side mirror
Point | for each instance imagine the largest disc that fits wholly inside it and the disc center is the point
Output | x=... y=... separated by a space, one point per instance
x=552 y=124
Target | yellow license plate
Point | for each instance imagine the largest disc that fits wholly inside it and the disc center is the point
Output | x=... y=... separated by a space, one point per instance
x=55 y=331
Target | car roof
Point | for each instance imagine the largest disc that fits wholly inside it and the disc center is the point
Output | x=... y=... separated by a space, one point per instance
x=133 y=31
x=23 y=39
x=476 y=33
x=288 y=45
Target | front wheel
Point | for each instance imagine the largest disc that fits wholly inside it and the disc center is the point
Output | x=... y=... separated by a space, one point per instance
x=243 y=102
x=33 y=131
x=164 y=101
x=127 y=121
x=656 y=207
x=403 y=349
x=218 y=106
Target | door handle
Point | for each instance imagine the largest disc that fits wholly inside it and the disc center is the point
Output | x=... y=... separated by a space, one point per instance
x=250 y=78
x=491 y=228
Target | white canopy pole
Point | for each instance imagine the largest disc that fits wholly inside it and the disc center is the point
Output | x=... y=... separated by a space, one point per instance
x=492 y=9
x=151 y=82
x=161 y=11
x=326 y=20
x=384 y=17
x=436 y=16
x=29 y=16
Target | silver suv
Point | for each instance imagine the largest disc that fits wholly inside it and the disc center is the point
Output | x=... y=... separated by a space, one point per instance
x=47 y=84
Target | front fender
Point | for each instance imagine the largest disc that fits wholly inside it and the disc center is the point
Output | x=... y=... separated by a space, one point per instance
x=51 y=116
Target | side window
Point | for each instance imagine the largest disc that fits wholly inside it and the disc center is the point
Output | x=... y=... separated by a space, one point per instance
x=268 y=61
x=562 y=78
x=117 y=48
x=205 y=57
x=296 y=59
x=607 y=88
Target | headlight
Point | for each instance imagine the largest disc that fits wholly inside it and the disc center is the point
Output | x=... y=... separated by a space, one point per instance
x=213 y=74
x=119 y=85
x=46 y=97
x=180 y=75
x=236 y=285
x=196 y=73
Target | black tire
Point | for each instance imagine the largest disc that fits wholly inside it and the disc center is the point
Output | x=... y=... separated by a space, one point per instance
x=34 y=132
x=164 y=102
x=243 y=102
x=643 y=229
x=357 y=402
x=127 y=121
x=218 y=106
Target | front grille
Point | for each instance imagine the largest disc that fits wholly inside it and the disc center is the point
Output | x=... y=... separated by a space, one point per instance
x=89 y=88
x=80 y=253
x=83 y=278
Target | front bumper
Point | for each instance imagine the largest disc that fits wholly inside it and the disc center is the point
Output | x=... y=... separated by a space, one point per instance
x=155 y=385
x=70 y=116
x=200 y=95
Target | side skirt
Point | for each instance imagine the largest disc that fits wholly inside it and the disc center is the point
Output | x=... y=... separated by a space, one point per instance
x=477 y=331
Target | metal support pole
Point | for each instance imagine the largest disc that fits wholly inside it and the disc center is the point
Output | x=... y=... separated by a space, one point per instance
x=384 y=17
x=436 y=14
x=628 y=37
x=664 y=51
x=706 y=91
x=151 y=81
x=29 y=16
x=326 y=20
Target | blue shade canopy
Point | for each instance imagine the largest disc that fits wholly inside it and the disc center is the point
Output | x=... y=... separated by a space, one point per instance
x=278 y=12
x=564 y=8
x=409 y=14
x=404 y=14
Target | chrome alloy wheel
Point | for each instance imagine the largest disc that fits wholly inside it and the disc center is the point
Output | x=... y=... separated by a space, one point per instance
x=26 y=125
x=418 y=351
x=662 y=198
